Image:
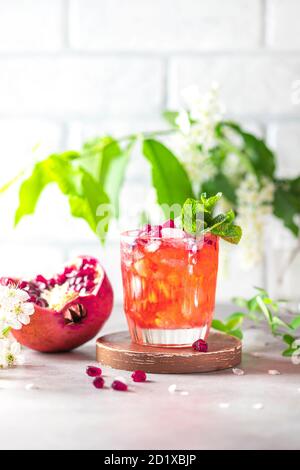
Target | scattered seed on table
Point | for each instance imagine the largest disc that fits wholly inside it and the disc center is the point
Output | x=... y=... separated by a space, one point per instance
x=224 y=405
x=238 y=371
x=172 y=388
x=273 y=372
x=257 y=406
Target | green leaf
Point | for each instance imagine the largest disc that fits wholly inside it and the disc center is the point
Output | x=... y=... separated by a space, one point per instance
x=295 y=323
x=235 y=320
x=31 y=189
x=218 y=325
x=253 y=149
x=112 y=175
x=288 y=352
x=287 y=203
x=84 y=193
x=288 y=339
x=229 y=232
x=10 y=183
x=169 y=178
x=105 y=160
x=237 y=333
x=170 y=117
x=192 y=216
x=224 y=328
x=210 y=202
x=197 y=219
x=220 y=183
x=85 y=204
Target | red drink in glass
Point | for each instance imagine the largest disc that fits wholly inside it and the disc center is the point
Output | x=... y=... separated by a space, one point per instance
x=169 y=287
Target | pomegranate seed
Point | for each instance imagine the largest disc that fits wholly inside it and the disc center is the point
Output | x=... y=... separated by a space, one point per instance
x=68 y=270
x=23 y=285
x=169 y=224
x=200 y=345
x=52 y=282
x=90 y=285
x=42 y=303
x=119 y=386
x=139 y=376
x=42 y=279
x=146 y=228
x=61 y=279
x=91 y=261
x=93 y=371
x=98 y=382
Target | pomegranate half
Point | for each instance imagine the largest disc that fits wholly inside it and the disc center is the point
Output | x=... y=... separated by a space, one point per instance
x=70 y=308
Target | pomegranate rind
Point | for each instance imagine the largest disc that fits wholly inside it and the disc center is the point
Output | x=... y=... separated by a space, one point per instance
x=48 y=331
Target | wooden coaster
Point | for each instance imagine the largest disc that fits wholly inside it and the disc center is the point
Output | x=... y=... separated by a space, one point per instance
x=117 y=351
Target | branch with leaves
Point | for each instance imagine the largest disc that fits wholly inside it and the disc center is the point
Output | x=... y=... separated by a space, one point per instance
x=214 y=156
x=262 y=309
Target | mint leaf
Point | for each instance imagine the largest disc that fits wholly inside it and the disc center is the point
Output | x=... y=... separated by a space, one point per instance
x=229 y=232
x=169 y=178
x=210 y=202
x=197 y=219
x=192 y=216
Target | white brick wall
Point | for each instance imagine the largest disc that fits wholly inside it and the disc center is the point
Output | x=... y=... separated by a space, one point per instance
x=71 y=69
x=251 y=84
x=31 y=25
x=80 y=86
x=283 y=24
x=168 y=25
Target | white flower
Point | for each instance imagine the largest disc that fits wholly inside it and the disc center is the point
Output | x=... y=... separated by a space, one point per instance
x=10 y=295
x=255 y=200
x=15 y=311
x=183 y=122
x=10 y=353
x=195 y=139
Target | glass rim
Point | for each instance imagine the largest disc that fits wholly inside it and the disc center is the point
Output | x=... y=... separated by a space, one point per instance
x=134 y=234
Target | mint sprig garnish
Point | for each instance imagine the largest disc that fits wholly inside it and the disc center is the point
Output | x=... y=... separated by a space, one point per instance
x=198 y=218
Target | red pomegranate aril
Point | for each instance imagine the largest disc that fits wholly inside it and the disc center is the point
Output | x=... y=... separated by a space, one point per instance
x=42 y=303
x=139 y=376
x=146 y=228
x=90 y=285
x=119 y=386
x=52 y=282
x=200 y=345
x=98 y=382
x=23 y=285
x=42 y=279
x=87 y=272
x=169 y=224
x=61 y=279
x=93 y=371
x=68 y=270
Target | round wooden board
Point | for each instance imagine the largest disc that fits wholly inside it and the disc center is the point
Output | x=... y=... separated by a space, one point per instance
x=117 y=351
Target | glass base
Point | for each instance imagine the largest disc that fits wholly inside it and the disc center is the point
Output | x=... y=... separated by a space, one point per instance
x=179 y=338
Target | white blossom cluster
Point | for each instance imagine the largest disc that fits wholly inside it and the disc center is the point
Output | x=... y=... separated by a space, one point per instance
x=15 y=311
x=255 y=200
x=196 y=136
